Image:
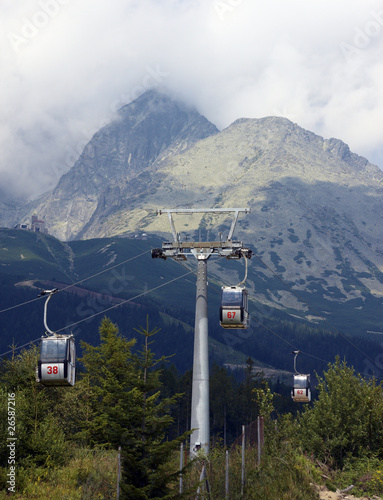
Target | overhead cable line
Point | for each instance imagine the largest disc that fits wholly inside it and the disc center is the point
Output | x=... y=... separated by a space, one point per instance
x=122 y=303
x=300 y=298
x=105 y=270
x=19 y=305
x=77 y=283
x=287 y=342
x=267 y=327
x=100 y=312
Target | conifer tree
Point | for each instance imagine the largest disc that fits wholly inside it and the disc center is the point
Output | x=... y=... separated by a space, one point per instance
x=128 y=411
x=111 y=380
x=224 y=421
x=147 y=454
x=40 y=438
x=252 y=379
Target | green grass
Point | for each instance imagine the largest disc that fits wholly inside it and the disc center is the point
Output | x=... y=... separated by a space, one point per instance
x=28 y=255
x=90 y=474
x=287 y=477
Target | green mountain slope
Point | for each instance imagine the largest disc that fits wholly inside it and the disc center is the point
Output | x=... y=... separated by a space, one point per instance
x=97 y=276
x=30 y=255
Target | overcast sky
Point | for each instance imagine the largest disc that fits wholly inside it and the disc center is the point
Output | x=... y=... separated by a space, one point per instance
x=67 y=65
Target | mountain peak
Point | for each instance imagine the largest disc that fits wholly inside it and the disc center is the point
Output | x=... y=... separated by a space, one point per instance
x=149 y=98
x=155 y=114
x=155 y=101
x=123 y=154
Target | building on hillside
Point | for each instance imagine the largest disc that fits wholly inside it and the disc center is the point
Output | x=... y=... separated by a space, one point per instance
x=37 y=225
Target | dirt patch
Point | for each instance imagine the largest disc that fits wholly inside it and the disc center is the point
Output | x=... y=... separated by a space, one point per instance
x=325 y=494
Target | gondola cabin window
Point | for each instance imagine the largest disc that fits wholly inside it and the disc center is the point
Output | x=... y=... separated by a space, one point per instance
x=301 y=392
x=53 y=351
x=232 y=297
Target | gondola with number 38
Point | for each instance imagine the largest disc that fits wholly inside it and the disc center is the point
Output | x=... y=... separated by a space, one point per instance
x=57 y=363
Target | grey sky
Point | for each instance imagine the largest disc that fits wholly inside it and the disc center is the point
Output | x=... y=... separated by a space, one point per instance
x=67 y=65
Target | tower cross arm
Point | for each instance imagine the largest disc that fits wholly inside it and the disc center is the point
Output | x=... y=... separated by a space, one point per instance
x=200 y=210
x=236 y=212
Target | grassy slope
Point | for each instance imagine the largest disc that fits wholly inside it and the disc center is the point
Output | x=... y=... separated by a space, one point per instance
x=26 y=255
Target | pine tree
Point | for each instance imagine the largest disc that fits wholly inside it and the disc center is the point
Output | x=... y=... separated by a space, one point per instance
x=128 y=411
x=147 y=473
x=249 y=406
x=223 y=408
x=110 y=379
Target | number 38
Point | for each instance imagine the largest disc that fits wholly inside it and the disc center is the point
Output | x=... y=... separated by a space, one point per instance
x=52 y=369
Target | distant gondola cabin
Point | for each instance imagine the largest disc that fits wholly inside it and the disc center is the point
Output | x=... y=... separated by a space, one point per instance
x=301 y=392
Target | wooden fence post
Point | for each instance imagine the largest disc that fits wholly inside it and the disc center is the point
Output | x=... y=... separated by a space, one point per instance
x=181 y=465
x=227 y=475
x=118 y=471
x=260 y=430
x=243 y=460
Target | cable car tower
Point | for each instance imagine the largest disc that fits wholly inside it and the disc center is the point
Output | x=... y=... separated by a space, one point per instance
x=202 y=251
x=57 y=363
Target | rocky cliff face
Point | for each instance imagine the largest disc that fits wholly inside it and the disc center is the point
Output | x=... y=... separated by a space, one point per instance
x=316 y=207
x=120 y=160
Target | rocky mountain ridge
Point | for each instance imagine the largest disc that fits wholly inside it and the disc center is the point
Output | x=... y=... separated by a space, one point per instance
x=119 y=159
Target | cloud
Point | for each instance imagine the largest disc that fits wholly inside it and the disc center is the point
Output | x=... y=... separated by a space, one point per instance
x=67 y=65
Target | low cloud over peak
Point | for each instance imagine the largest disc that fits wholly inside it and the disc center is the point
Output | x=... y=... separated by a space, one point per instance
x=68 y=66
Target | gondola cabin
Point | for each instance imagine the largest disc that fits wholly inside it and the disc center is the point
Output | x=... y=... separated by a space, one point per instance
x=234 y=307
x=301 y=392
x=57 y=364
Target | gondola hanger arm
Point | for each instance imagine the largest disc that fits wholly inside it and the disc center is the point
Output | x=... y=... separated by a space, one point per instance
x=295 y=361
x=245 y=278
x=49 y=293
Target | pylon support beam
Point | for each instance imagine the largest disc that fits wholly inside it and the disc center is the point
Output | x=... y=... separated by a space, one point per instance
x=202 y=251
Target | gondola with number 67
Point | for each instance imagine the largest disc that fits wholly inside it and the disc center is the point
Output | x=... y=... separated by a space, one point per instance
x=234 y=307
